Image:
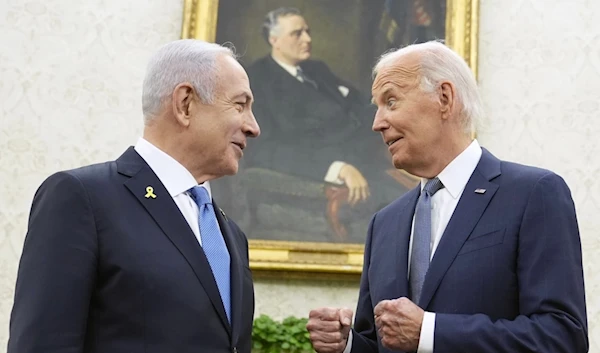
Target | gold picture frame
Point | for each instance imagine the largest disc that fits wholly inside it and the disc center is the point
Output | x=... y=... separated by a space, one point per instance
x=326 y=260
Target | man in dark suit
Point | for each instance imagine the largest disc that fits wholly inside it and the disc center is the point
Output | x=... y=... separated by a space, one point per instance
x=133 y=255
x=483 y=256
x=315 y=124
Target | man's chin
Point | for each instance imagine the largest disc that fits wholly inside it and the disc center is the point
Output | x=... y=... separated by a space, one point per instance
x=398 y=164
x=232 y=168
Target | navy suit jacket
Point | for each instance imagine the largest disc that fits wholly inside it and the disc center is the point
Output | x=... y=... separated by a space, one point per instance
x=506 y=276
x=105 y=269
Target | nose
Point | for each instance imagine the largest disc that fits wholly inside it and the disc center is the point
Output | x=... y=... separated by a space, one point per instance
x=306 y=37
x=379 y=122
x=251 y=128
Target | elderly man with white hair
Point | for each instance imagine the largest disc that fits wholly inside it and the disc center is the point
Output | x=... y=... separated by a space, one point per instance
x=133 y=255
x=483 y=256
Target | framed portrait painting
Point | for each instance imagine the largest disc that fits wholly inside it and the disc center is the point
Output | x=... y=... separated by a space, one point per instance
x=308 y=187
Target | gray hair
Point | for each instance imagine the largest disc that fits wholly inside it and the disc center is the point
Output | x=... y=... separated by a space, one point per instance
x=270 y=26
x=439 y=63
x=185 y=60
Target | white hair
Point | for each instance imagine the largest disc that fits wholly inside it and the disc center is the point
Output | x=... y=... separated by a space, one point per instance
x=439 y=63
x=185 y=60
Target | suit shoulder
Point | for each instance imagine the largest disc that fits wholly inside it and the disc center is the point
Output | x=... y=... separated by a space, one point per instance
x=92 y=171
x=90 y=174
x=315 y=65
x=520 y=179
x=525 y=173
x=258 y=66
x=396 y=206
x=73 y=184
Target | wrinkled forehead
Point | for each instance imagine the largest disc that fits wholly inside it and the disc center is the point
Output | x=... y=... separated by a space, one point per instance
x=395 y=76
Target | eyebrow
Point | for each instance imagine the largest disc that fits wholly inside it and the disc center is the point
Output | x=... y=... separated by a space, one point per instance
x=246 y=95
x=385 y=93
x=300 y=29
x=390 y=86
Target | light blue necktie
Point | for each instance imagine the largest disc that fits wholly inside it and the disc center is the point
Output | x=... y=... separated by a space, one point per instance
x=213 y=245
x=421 y=246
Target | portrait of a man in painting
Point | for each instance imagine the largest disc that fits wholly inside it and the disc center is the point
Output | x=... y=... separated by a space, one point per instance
x=318 y=172
x=309 y=185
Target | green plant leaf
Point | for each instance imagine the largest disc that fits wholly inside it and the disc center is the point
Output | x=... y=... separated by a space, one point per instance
x=286 y=336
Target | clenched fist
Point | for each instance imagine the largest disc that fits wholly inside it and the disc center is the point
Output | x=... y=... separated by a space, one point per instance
x=398 y=323
x=329 y=329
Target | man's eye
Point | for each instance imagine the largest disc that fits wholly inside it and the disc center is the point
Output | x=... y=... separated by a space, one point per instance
x=391 y=102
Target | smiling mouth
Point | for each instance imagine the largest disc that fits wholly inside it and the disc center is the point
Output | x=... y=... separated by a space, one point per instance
x=239 y=145
x=393 y=141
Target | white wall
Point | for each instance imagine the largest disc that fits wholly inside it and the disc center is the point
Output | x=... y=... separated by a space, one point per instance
x=70 y=88
x=70 y=82
x=540 y=76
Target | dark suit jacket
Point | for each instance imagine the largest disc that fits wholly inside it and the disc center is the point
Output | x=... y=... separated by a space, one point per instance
x=506 y=276
x=105 y=269
x=303 y=129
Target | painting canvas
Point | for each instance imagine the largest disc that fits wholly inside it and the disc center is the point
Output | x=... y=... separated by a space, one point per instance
x=309 y=185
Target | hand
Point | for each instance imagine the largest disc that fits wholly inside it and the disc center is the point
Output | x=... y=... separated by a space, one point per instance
x=329 y=329
x=399 y=323
x=356 y=183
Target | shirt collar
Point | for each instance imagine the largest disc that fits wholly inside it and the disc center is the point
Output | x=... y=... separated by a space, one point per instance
x=174 y=176
x=456 y=174
x=293 y=70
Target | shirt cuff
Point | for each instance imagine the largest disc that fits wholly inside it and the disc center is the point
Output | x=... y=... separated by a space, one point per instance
x=344 y=91
x=427 y=333
x=348 y=343
x=333 y=173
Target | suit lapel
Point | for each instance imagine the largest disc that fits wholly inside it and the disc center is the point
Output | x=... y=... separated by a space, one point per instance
x=280 y=77
x=285 y=78
x=325 y=87
x=236 y=273
x=167 y=215
x=469 y=210
x=404 y=224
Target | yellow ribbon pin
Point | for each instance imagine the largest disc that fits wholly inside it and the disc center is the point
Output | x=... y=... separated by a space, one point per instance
x=150 y=193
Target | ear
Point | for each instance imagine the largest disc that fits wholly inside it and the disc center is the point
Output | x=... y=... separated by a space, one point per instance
x=272 y=40
x=447 y=98
x=183 y=97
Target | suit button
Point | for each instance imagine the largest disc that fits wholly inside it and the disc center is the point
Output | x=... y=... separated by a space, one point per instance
x=234 y=349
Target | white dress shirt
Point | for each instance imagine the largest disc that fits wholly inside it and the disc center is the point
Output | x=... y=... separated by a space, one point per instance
x=454 y=177
x=176 y=179
x=333 y=173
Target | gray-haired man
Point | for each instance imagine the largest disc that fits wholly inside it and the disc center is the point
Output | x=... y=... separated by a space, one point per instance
x=132 y=255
